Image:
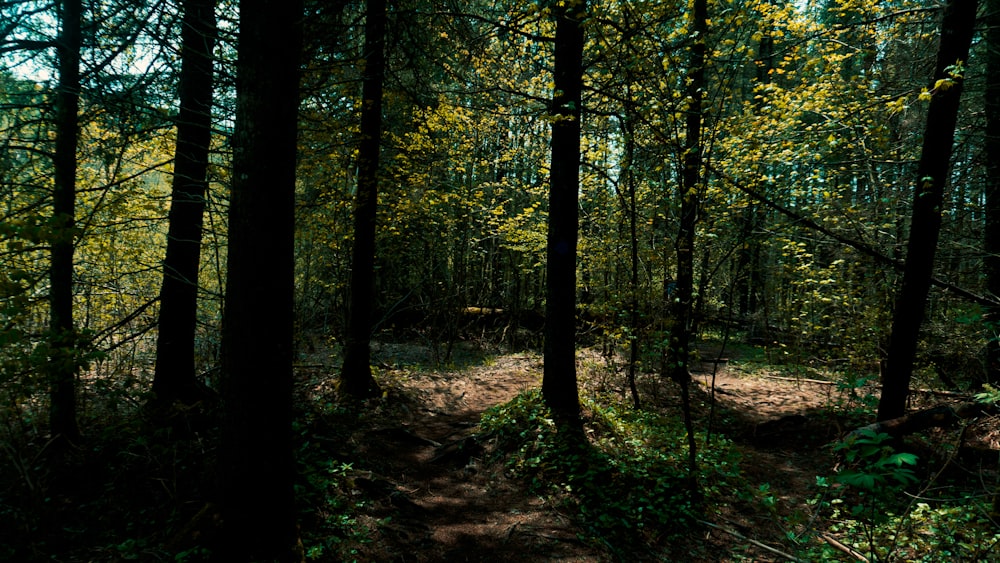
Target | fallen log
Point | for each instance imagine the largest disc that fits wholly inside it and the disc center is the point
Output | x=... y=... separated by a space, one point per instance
x=941 y=416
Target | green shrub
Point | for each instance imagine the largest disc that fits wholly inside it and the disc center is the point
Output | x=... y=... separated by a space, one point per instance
x=628 y=482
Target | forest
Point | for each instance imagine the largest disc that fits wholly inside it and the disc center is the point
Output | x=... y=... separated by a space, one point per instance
x=494 y=280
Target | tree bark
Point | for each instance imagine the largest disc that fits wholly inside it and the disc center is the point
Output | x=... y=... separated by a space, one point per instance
x=356 y=374
x=64 y=359
x=256 y=460
x=925 y=225
x=174 y=378
x=631 y=209
x=559 y=387
x=991 y=242
x=682 y=328
x=680 y=333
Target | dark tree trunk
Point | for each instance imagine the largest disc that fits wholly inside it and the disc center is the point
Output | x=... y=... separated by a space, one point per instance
x=991 y=243
x=559 y=386
x=683 y=318
x=932 y=175
x=680 y=332
x=356 y=374
x=632 y=210
x=256 y=462
x=64 y=360
x=992 y=232
x=174 y=378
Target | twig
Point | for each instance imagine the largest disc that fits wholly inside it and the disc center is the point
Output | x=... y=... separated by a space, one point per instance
x=98 y=337
x=833 y=541
x=531 y=532
x=510 y=533
x=763 y=546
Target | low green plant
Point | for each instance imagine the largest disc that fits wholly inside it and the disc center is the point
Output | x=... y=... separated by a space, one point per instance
x=853 y=396
x=953 y=529
x=329 y=510
x=990 y=395
x=628 y=483
x=874 y=467
x=865 y=496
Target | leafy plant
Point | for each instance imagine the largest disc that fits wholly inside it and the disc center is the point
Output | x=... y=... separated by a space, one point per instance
x=323 y=491
x=852 y=394
x=990 y=395
x=876 y=466
x=865 y=499
x=628 y=482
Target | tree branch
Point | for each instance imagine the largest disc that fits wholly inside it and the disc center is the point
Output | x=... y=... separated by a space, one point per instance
x=864 y=248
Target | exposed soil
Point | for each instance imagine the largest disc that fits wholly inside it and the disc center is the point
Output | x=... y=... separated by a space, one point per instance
x=427 y=473
x=445 y=503
x=429 y=487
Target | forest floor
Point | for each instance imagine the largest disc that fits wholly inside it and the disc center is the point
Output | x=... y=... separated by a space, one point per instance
x=437 y=496
x=412 y=477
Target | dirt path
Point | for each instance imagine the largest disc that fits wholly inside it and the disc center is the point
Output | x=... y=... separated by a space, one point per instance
x=445 y=503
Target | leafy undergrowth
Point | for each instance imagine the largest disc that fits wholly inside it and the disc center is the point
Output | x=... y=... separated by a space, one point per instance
x=877 y=506
x=140 y=486
x=127 y=491
x=785 y=489
x=331 y=525
x=628 y=484
x=775 y=483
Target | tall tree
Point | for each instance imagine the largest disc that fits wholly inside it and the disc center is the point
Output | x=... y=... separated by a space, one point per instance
x=690 y=188
x=64 y=359
x=256 y=461
x=683 y=321
x=632 y=212
x=174 y=378
x=559 y=387
x=957 y=28
x=356 y=373
x=992 y=230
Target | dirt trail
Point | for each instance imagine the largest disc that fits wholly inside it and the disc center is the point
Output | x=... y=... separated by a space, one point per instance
x=446 y=505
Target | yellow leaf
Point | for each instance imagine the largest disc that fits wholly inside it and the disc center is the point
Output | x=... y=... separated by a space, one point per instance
x=896 y=106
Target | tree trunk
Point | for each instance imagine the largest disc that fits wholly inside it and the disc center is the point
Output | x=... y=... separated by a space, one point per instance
x=356 y=374
x=631 y=209
x=680 y=332
x=991 y=241
x=256 y=460
x=64 y=360
x=559 y=387
x=683 y=321
x=932 y=175
x=174 y=378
